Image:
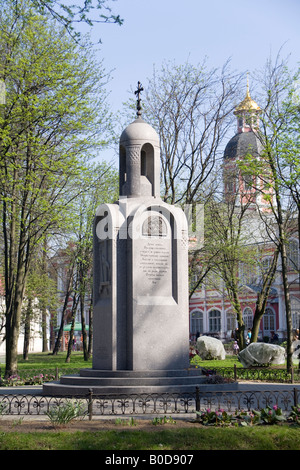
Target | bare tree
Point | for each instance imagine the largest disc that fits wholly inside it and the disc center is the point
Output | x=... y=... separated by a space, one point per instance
x=190 y=106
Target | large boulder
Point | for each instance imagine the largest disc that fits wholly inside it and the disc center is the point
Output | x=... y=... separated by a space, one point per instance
x=262 y=353
x=209 y=347
x=296 y=349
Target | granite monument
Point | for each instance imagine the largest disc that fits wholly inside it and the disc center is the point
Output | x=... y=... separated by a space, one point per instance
x=141 y=315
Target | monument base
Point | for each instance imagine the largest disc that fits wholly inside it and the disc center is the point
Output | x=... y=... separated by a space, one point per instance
x=125 y=382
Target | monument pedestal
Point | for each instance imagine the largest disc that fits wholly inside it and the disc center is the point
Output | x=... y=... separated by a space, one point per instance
x=124 y=382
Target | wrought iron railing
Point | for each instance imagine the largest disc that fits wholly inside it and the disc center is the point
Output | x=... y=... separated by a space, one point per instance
x=172 y=404
x=265 y=374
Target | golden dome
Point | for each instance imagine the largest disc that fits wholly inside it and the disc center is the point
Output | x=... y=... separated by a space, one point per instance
x=248 y=104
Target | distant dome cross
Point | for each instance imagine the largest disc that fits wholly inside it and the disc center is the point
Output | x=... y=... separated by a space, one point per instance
x=138 y=103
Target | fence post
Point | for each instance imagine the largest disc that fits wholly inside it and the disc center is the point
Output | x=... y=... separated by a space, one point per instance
x=295 y=397
x=90 y=404
x=197 y=401
x=292 y=374
x=56 y=373
x=234 y=372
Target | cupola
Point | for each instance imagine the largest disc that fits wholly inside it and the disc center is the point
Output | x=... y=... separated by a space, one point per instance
x=247 y=113
x=139 y=154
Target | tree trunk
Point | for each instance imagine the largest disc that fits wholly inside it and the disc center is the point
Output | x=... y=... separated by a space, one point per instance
x=84 y=335
x=13 y=317
x=262 y=297
x=71 y=337
x=13 y=320
x=62 y=321
x=61 y=327
x=44 y=309
x=28 y=317
x=288 y=311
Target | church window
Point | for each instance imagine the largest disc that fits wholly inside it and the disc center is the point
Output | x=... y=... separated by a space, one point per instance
x=196 y=322
x=248 y=317
x=269 y=320
x=231 y=323
x=214 y=318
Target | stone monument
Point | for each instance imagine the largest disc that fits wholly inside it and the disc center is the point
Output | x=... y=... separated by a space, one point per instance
x=141 y=319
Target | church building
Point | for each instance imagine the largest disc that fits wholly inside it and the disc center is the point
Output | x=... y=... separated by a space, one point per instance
x=211 y=312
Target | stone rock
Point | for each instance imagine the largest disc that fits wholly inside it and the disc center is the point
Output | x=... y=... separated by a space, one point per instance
x=296 y=349
x=262 y=353
x=210 y=347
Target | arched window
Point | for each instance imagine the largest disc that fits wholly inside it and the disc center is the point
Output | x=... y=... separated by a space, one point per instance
x=196 y=322
x=269 y=320
x=248 y=317
x=231 y=323
x=214 y=318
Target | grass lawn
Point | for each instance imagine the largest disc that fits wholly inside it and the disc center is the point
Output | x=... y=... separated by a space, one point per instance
x=48 y=361
x=282 y=437
x=159 y=438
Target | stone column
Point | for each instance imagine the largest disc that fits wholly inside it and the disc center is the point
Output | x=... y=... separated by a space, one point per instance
x=133 y=170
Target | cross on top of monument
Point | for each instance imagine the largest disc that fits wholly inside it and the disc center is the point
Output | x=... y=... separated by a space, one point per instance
x=138 y=102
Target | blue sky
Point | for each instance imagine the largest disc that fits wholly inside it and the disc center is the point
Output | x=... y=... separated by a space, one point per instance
x=157 y=30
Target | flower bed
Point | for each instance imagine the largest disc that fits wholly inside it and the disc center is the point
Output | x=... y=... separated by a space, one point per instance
x=268 y=415
x=16 y=380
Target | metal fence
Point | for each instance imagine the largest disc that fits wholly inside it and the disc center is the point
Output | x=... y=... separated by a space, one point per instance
x=172 y=404
x=266 y=374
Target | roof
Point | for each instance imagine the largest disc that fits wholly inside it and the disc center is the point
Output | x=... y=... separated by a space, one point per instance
x=242 y=144
x=139 y=131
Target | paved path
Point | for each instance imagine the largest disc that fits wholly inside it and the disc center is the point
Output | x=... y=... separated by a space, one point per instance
x=24 y=390
x=238 y=386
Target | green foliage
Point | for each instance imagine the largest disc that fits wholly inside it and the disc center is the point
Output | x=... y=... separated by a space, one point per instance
x=295 y=414
x=270 y=415
x=65 y=413
x=246 y=418
x=54 y=121
x=163 y=420
x=214 y=418
x=195 y=437
x=17 y=380
x=125 y=422
x=68 y=15
x=220 y=417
